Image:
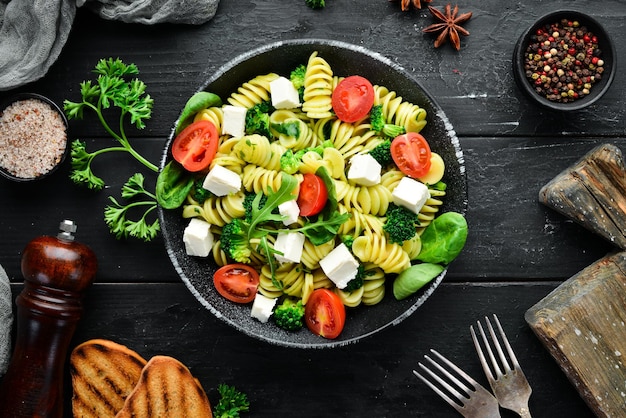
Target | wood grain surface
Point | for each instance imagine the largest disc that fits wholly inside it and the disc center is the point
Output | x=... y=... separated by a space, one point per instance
x=583 y=325
x=518 y=249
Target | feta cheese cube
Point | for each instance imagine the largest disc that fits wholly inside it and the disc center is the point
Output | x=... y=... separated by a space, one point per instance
x=411 y=194
x=234 y=121
x=364 y=170
x=284 y=94
x=340 y=266
x=291 y=210
x=221 y=181
x=198 y=238
x=262 y=307
x=291 y=245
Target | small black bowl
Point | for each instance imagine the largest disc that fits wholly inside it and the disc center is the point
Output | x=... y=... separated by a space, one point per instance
x=57 y=157
x=605 y=44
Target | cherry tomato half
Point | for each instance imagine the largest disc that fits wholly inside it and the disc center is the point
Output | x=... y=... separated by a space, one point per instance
x=312 y=195
x=237 y=282
x=195 y=147
x=411 y=153
x=353 y=98
x=325 y=314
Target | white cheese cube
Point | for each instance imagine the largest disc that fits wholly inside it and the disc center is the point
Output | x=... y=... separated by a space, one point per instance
x=411 y=194
x=291 y=210
x=291 y=245
x=234 y=121
x=198 y=238
x=364 y=170
x=221 y=181
x=262 y=307
x=284 y=94
x=340 y=266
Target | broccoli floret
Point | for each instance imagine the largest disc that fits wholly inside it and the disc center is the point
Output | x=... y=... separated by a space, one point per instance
x=348 y=240
x=247 y=204
x=258 y=119
x=400 y=224
x=382 y=153
x=357 y=282
x=297 y=79
x=289 y=314
x=231 y=402
x=380 y=125
x=199 y=193
x=315 y=4
x=234 y=241
x=290 y=161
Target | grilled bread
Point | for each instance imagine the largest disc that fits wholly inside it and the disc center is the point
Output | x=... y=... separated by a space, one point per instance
x=103 y=374
x=166 y=389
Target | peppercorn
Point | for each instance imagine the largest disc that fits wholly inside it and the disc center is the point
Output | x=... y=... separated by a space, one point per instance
x=563 y=61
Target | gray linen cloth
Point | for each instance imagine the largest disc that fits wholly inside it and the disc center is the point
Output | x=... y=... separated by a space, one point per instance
x=6 y=321
x=33 y=32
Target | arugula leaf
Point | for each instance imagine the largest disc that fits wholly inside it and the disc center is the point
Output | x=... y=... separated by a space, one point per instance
x=264 y=213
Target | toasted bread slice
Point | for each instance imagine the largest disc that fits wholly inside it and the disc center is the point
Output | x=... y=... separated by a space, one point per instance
x=103 y=374
x=166 y=389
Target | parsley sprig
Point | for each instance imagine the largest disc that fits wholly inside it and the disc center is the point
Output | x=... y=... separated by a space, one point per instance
x=116 y=218
x=231 y=403
x=111 y=89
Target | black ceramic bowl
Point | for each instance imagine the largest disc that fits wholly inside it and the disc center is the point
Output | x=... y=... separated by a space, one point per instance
x=38 y=158
x=346 y=60
x=605 y=44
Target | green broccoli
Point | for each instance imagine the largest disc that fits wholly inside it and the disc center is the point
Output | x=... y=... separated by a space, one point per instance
x=348 y=240
x=258 y=119
x=289 y=314
x=357 y=282
x=401 y=223
x=315 y=4
x=235 y=242
x=199 y=193
x=382 y=153
x=247 y=204
x=380 y=125
x=231 y=402
x=290 y=161
x=297 y=79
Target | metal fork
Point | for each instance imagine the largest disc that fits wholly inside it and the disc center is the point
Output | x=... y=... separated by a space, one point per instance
x=509 y=383
x=475 y=402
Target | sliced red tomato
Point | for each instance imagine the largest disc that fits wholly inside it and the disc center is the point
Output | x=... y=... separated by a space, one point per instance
x=237 y=282
x=312 y=195
x=325 y=314
x=411 y=153
x=195 y=147
x=353 y=98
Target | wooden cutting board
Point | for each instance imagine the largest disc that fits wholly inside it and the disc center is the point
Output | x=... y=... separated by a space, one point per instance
x=582 y=322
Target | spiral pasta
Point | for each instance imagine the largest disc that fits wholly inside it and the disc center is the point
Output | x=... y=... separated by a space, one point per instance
x=253 y=92
x=212 y=114
x=398 y=111
x=373 y=248
x=257 y=149
x=318 y=88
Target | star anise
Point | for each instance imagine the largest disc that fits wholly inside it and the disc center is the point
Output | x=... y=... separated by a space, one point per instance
x=450 y=25
x=407 y=3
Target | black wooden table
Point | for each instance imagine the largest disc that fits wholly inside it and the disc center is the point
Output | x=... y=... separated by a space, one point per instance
x=517 y=252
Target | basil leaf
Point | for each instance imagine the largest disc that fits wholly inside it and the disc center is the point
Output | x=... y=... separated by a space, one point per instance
x=200 y=100
x=173 y=185
x=443 y=239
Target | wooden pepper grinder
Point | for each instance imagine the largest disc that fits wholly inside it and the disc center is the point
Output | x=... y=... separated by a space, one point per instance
x=56 y=270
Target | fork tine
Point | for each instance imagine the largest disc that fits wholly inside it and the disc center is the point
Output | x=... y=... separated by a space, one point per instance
x=461 y=392
x=509 y=349
x=497 y=345
x=436 y=389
